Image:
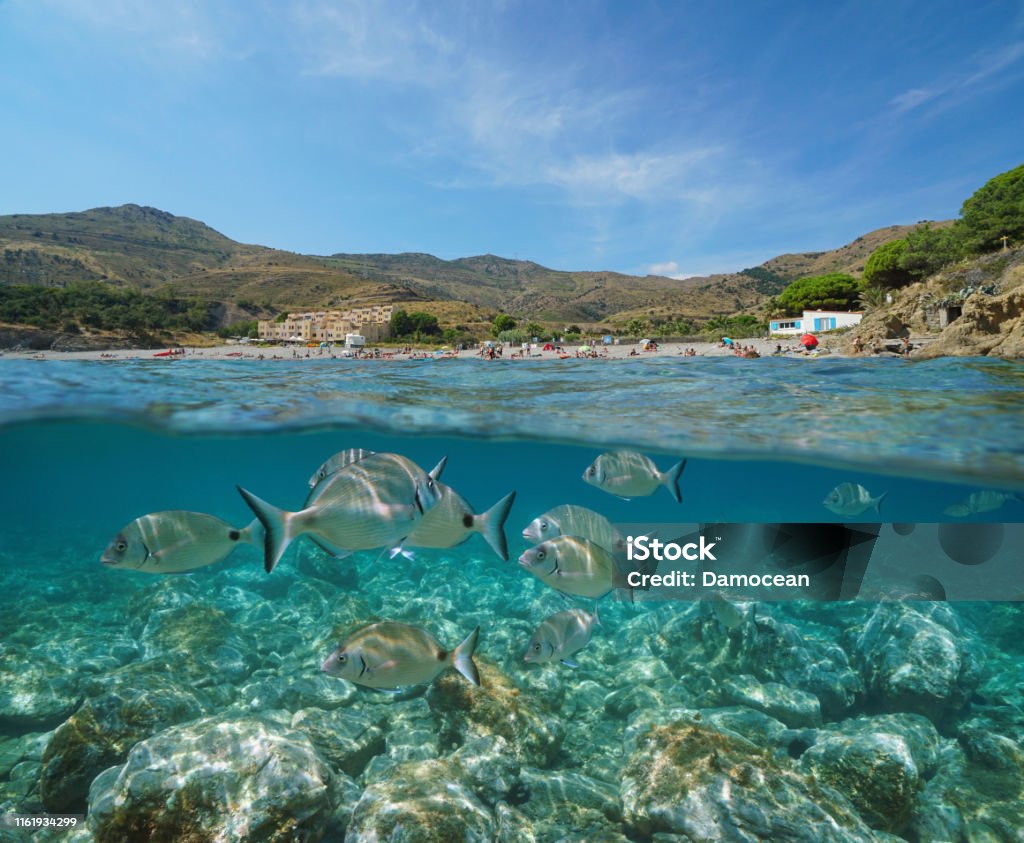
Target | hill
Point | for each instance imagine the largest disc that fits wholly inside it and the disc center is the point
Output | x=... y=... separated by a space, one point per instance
x=154 y=251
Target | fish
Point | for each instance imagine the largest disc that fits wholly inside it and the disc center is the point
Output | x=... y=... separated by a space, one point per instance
x=985 y=501
x=319 y=482
x=572 y=520
x=452 y=521
x=560 y=636
x=389 y=655
x=372 y=503
x=334 y=464
x=729 y=614
x=574 y=566
x=852 y=499
x=629 y=474
x=175 y=541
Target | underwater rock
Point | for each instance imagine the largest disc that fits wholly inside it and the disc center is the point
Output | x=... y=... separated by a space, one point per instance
x=497 y=707
x=346 y=739
x=36 y=694
x=166 y=593
x=701 y=649
x=690 y=779
x=625 y=701
x=101 y=733
x=975 y=795
x=276 y=689
x=562 y=803
x=491 y=767
x=421 y=802
x=793 y=707
x=918 y=659
x=876 y=772
x=511 y=826
x=214 y=779
x=199 y=644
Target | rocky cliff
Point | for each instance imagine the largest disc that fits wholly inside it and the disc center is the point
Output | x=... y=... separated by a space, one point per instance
x=973 y=308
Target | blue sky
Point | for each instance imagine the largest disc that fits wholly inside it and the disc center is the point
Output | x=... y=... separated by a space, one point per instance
x=679 y=137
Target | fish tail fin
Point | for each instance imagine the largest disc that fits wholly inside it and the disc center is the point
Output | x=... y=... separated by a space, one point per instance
x=462 y=658
x=491 y=525
x=671 y=479
x=278 y=524
x=254 y=534
x=597 y=615
x=878 y=502
x=437 y=470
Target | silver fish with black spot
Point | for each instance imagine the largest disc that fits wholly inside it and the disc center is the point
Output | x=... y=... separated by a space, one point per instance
x=372 y=503
x=389 y=655
x=560 y=636
x=175 y=541
x=452 y=521
x=852 y=499
x=629 y=474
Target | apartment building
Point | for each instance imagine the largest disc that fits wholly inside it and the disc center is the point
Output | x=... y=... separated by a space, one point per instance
x=372 y=322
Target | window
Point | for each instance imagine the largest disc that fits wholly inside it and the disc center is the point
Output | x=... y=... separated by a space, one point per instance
x=780 y=325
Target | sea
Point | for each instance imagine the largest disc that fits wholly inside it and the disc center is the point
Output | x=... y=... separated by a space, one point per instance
x=192 y=706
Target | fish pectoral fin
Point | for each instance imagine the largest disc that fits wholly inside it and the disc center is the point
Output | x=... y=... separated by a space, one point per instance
x=389 y=690
x=390 y=663
x=569 y=663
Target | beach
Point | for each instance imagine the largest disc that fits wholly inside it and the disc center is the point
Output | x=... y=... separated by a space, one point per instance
x=513 y=352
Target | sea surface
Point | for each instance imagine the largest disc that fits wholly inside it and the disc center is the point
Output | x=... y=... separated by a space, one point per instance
x=192 y=706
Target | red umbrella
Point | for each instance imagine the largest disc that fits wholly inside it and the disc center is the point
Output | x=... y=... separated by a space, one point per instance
x=808 y=341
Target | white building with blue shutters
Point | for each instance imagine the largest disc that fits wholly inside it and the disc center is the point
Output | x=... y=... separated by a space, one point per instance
x=814 y=321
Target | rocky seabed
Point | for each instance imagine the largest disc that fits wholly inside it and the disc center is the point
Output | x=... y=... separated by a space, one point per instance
x=192 y=709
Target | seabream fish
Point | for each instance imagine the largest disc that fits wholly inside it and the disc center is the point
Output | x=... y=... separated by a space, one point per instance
x=560 y=636
x=375 y=502
x=334 y=464
x=629 y=474
x=977 y=502
x=574 y=566
x=852 y=499
x=175 y=541
x=391 y=655
x=572 y=520
x=452 y=521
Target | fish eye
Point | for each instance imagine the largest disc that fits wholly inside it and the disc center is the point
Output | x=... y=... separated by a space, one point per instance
x=541 y=554
x=121 y=547
x=543 y=525
x=536 y=647
x=342 y=658
x=321 y=474
x=591 y=471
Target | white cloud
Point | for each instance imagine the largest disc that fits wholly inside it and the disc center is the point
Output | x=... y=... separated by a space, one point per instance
x=980 y=71
x=669 y=269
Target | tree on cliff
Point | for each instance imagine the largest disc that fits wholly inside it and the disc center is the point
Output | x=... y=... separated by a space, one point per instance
x=996 y=209
x=885 y=266
x=834 y=291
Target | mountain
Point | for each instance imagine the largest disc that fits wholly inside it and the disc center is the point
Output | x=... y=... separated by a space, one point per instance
x=158 y=252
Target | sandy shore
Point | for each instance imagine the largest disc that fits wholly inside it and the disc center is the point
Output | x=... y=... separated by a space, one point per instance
x=510 y=352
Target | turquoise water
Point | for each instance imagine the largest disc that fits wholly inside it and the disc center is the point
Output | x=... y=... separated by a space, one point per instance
x=110 y=675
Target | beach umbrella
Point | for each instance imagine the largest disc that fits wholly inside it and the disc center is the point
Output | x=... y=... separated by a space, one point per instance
x=585 y=348
x=644 y=341
x=808 y=340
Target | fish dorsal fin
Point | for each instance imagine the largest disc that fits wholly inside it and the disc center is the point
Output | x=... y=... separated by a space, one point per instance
x=438 y=469
x=352 y=455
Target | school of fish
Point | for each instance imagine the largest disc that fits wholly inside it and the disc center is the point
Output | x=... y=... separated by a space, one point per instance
x=360 y=500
